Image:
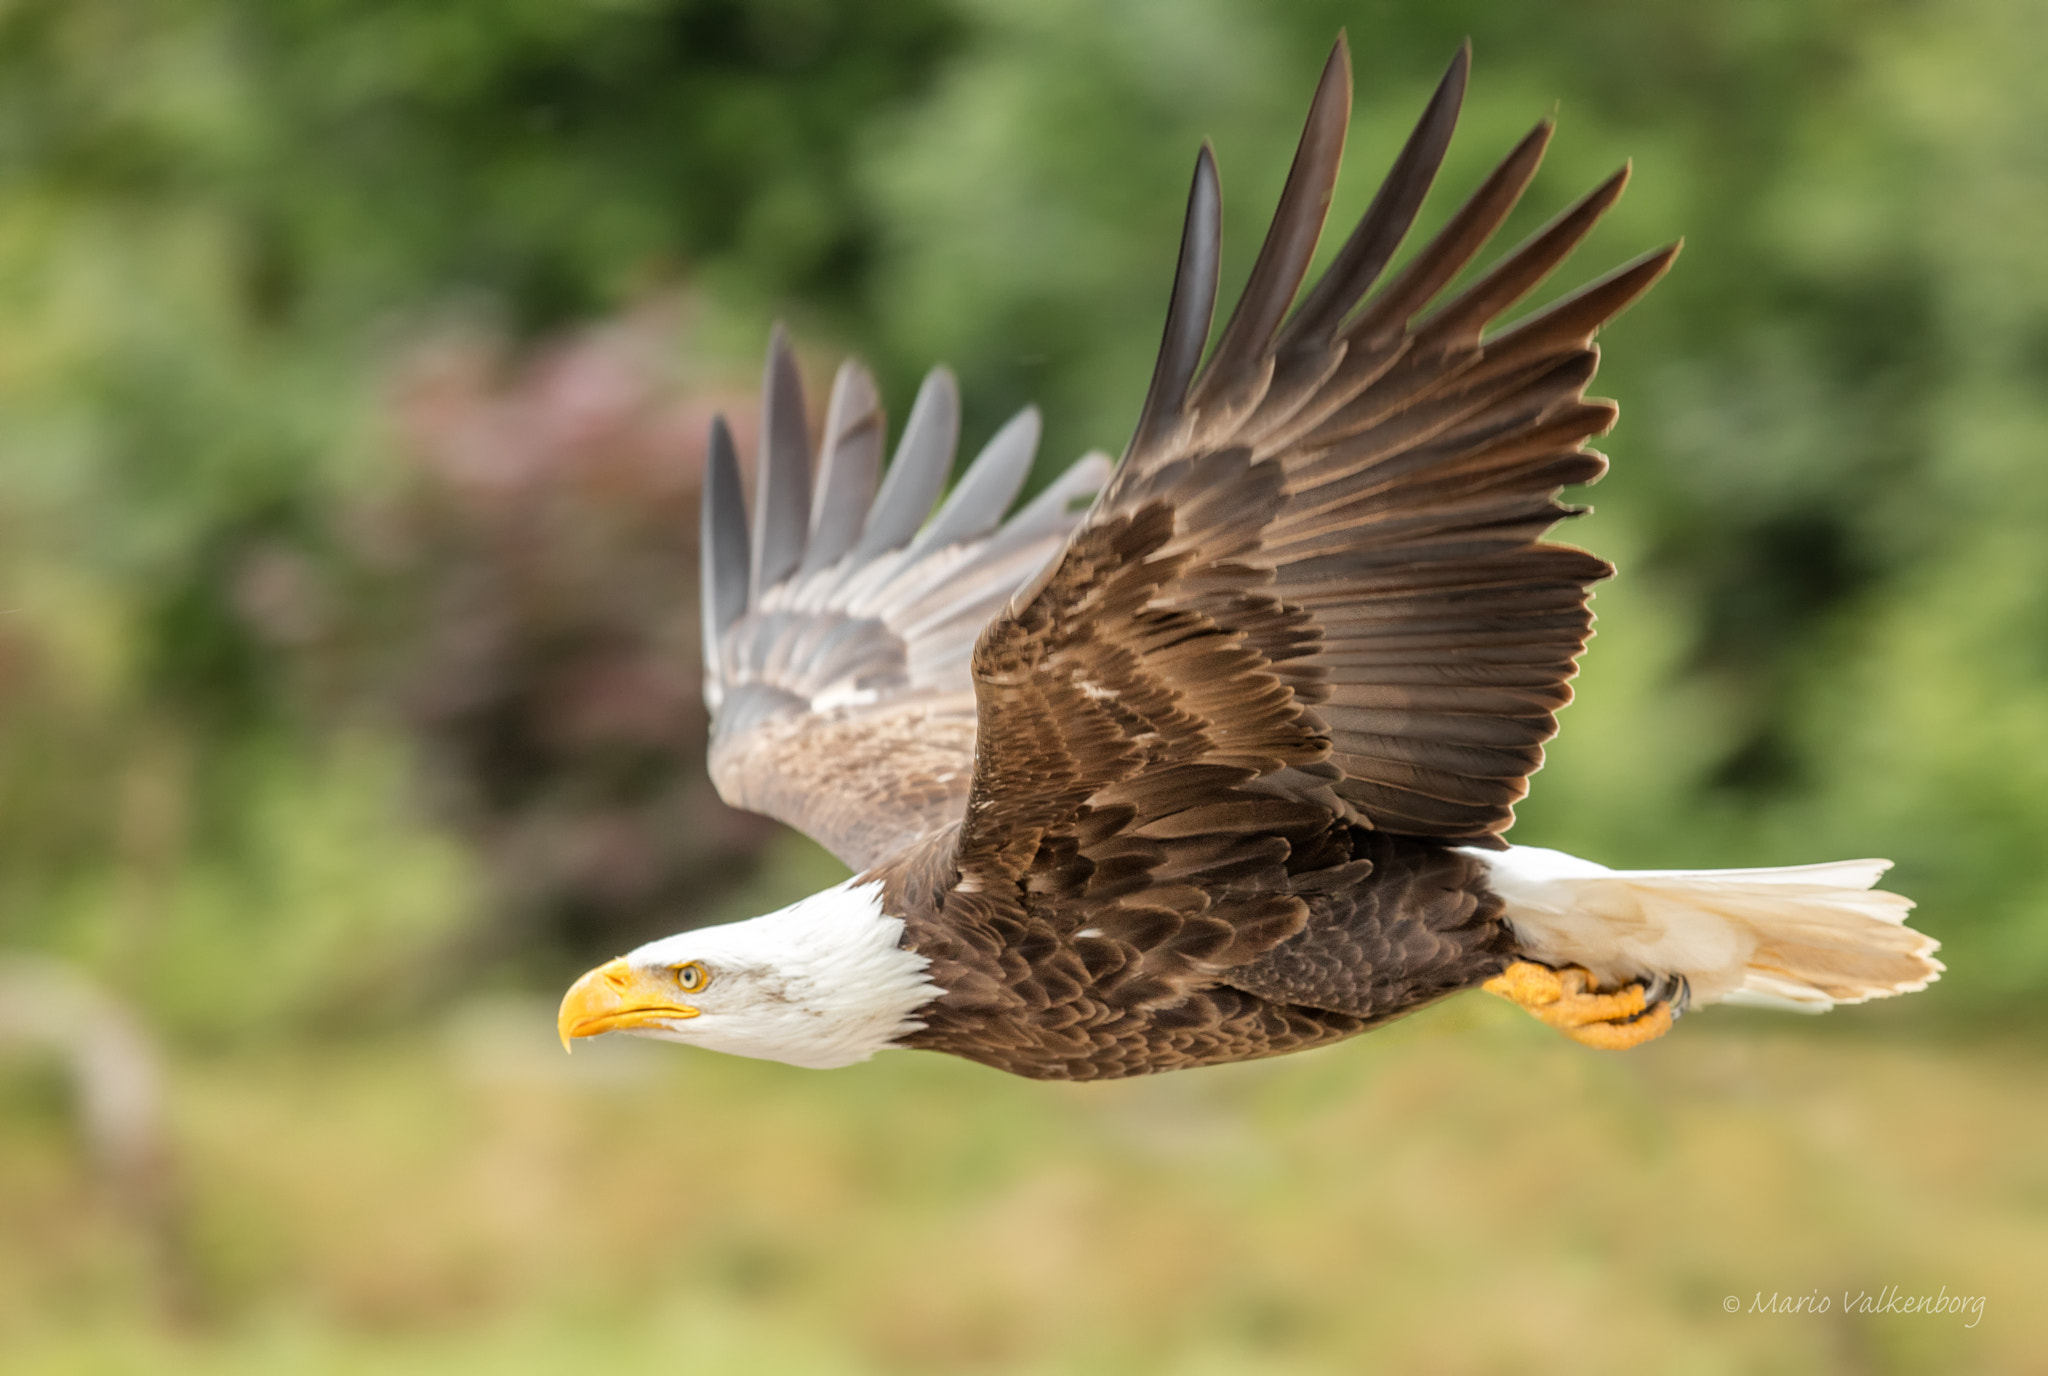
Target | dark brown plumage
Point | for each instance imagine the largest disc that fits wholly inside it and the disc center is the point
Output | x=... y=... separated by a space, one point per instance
x=1200 y=799
x=1307 y=637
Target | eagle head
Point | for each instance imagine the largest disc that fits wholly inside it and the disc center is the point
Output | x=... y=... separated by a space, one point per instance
x=824 y=982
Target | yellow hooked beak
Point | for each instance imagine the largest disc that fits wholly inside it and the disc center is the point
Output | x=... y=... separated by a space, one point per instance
x=615 y=997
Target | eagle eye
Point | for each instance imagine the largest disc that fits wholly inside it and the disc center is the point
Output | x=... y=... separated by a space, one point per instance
x=692 y=976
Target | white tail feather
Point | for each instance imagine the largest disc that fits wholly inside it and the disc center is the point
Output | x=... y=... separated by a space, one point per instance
x=1804 y=937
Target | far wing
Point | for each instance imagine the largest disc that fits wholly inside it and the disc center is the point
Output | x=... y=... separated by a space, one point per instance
x=839 y=622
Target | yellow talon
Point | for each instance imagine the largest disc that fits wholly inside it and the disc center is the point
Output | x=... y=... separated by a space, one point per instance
x=1620 y=1036
x=1570 y=1000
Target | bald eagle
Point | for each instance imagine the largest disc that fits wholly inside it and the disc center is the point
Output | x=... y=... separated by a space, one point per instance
x=1207 y=755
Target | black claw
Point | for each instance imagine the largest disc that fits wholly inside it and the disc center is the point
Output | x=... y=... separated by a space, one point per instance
x=1673 y=989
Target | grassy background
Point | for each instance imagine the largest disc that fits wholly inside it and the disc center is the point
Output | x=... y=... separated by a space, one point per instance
x=353 y=363
x=1461 y=1193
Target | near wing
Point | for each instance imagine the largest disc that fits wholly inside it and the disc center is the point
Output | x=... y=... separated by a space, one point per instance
x=837 y=633
x=1316 y=589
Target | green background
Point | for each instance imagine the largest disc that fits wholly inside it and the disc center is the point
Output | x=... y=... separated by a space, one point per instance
x=229 y=232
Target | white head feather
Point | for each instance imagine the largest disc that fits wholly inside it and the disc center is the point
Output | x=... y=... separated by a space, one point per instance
x=824 y=982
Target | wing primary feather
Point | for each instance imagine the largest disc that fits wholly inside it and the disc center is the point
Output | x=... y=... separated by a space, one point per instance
x=849 y=465
x=917 y=474
x=1054 y=509
x=1461 y=320
x=782 y=500
x=1291 y=240
x=722 y=544
x=1189 y=313
x=1387 y=220
x=1574 y=319
x=1455 y=244
x=985 y=491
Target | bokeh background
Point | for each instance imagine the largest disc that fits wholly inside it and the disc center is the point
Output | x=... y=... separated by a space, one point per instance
x=355 y=358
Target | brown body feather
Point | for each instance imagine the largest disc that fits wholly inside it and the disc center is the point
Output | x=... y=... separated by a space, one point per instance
x=1206 y=954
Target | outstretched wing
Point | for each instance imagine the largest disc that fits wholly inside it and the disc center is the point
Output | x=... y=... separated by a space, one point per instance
x=1316 y=591
x=838 y=630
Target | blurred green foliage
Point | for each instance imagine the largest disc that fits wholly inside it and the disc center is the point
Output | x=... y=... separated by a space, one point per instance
x=222 y=222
